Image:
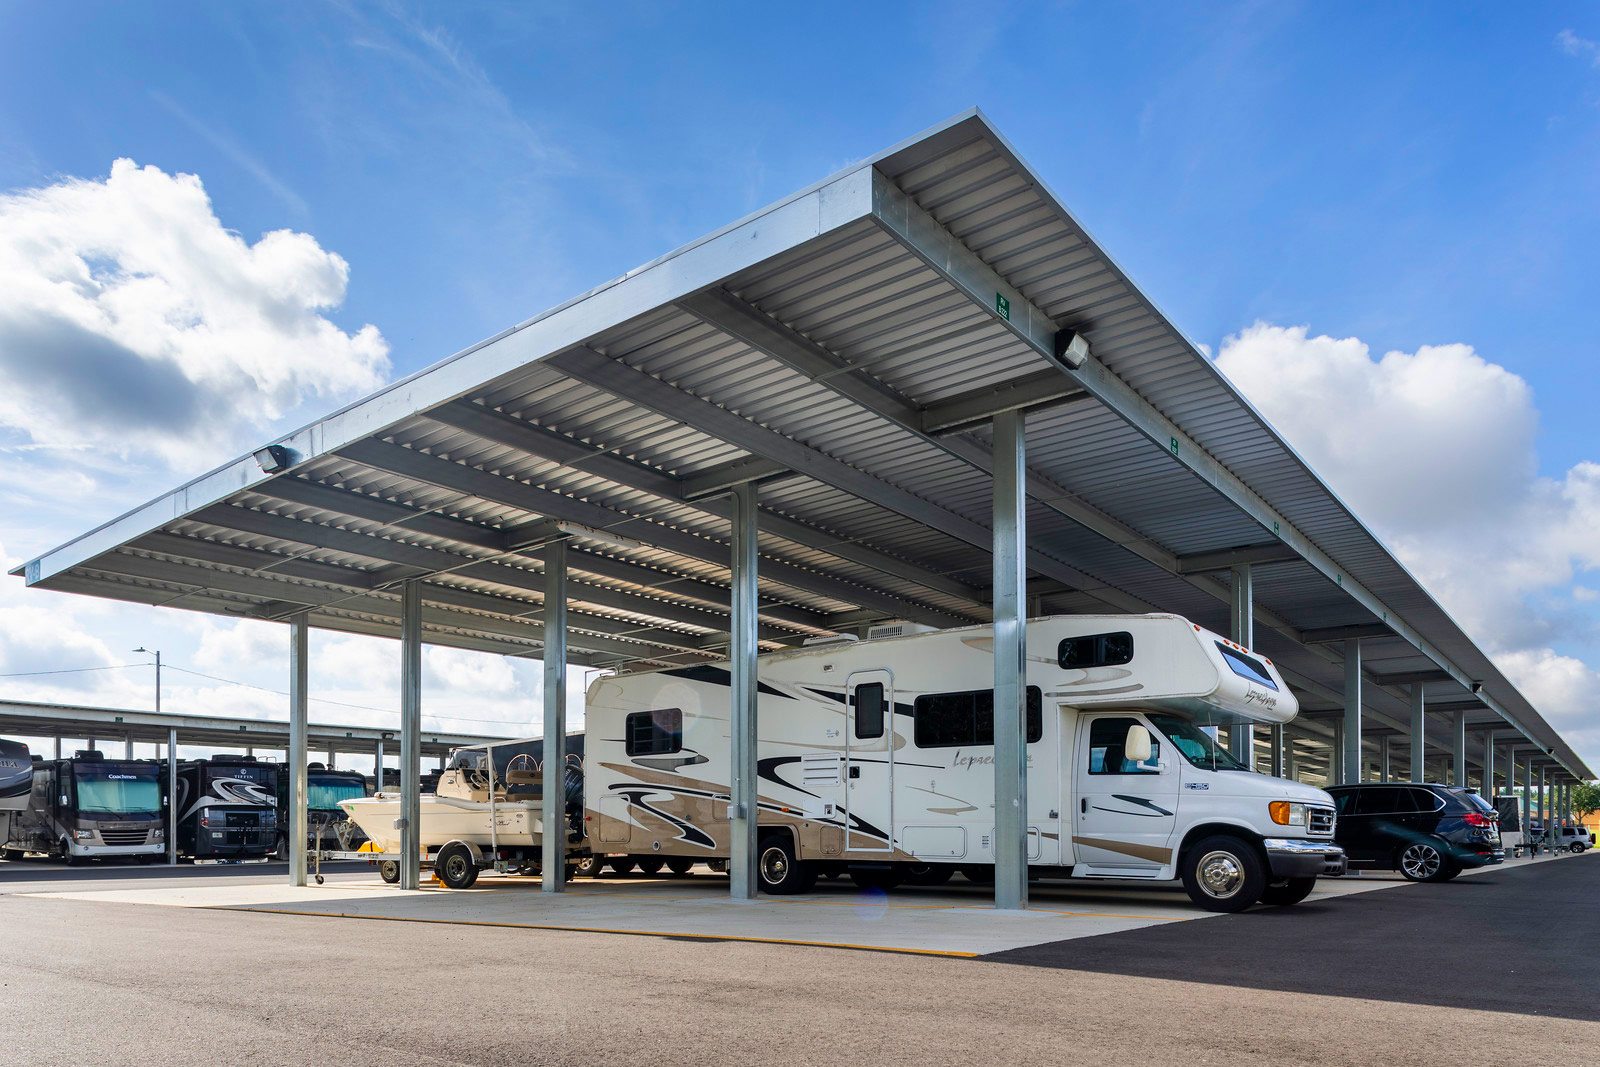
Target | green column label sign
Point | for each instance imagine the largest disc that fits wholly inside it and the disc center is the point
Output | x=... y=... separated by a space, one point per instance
x=1002 y=306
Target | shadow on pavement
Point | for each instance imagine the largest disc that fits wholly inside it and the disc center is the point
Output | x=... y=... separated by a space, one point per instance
x=1513 y=940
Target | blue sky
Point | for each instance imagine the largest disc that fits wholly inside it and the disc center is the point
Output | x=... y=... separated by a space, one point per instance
x=1409 y=175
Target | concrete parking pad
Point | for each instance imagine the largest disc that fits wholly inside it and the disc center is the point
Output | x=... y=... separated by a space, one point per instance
x=951 y=920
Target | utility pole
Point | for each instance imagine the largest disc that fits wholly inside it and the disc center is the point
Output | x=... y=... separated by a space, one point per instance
x=157 y=655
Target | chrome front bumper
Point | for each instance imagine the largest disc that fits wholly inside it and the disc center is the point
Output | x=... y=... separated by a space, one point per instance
x=1293 y=857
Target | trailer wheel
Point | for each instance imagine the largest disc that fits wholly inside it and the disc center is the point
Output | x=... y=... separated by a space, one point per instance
x=1224 y=873
x=930 y=874
x=650 y=866
x=680 y=865
x=389 y=871
x=455 y=867
x=778 y=871
x=1287 y=892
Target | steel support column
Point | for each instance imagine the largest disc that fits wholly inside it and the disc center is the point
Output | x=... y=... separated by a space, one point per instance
x=377 y=766
x=1419 y=729
x=1242 y=736
x=1351 y=765
x=554 y=848
x=1539 y=805
x=1383 y=758
x=1010 y=663
x=172 y=795
x=299 y=725
x=743 y=728
x=1458 y=771
x=1488 y=765
x=410 y=735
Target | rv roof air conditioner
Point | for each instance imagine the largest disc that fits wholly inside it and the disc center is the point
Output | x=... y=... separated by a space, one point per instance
x=897 y=628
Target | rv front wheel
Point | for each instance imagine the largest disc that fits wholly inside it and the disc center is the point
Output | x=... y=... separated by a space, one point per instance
x=779 y=872
x=1224 y=874
x=66 y=854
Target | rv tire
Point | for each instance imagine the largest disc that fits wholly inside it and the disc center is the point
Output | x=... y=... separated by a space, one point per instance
x=878 y=877
x=1224 y=873
x=979 y=873
x=622 y=865
x=650 y=866
x=680 y=865
x=280 y=850
x=455 y=866
x=66 y=855
x=779 y=871
x=591 y=866
x=1287 y=892
x=12 y=854
x=930 y=874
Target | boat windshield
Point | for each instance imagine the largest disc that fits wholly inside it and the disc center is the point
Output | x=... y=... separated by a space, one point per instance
x=109 y=791
x=1197 y=746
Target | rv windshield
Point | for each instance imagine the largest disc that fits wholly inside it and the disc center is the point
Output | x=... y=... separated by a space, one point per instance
x=1197 y=746
x=108 y=791
x=324 y=794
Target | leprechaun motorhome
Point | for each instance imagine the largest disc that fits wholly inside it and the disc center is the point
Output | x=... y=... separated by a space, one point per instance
x=875 y=758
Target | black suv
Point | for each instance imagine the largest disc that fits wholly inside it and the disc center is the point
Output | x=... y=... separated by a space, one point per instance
x=1427 y=832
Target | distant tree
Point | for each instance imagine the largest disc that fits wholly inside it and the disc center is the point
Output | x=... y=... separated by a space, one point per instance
x=1585 y=799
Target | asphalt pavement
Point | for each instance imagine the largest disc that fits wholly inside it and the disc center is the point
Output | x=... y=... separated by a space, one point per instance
x=1520 y=939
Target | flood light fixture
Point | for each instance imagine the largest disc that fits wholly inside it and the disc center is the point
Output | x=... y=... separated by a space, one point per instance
x=274 y=458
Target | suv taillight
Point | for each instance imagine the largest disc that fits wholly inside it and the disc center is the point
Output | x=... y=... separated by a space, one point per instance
x=1480 y=820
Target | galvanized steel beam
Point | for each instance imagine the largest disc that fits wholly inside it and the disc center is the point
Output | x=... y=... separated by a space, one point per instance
x=1010 y=664
x=411 y=736
x=1350 y=741
x=299 y=725
x=743 y=726
x=553 y=840
x=1419 y=727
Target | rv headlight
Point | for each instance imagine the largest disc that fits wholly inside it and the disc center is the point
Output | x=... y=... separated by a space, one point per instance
x=1285 y=813
x=159 y=833
x=83 y=835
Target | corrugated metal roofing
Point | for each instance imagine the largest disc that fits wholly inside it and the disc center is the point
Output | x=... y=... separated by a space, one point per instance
x=807 y=347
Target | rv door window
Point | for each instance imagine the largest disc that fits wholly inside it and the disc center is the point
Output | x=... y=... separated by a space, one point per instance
x=869 y=710
x=951 y=720
x=654 y=733
x=1106 y=738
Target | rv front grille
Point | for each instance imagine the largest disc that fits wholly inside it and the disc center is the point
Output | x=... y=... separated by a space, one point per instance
x=1319 y=821
x=125 y=837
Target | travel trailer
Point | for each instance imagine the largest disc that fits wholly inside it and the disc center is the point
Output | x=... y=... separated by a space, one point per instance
x=326 y=822
x=876 y=758
x=227 y=809
x=89 y=807
x=16 y=783
x=486 y=811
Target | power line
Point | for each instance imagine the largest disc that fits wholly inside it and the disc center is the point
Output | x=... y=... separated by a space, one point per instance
x=72 y=670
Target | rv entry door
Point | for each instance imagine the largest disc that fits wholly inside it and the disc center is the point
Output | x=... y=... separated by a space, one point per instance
x=869 y=761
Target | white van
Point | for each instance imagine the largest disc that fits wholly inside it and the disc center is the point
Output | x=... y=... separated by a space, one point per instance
x=876 y=760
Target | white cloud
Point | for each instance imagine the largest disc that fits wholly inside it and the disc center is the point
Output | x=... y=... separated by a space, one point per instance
x=1563 y=688
x=134 y=322
x=1436 y=450
x=1574 y=45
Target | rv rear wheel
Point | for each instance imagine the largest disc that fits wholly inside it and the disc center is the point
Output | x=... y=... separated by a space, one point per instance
x=930 y=874
x=884 y=878
x=981 y=873
x=389 y=871
x=455 y=867
x=778 y=871
x=650 y=866
x=1224 y=873
x=622 y=864
x=680 y=865
x=1288 y=891
x=12 y=854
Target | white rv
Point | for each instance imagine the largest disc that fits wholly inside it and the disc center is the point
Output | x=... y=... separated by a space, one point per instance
x=876 y=760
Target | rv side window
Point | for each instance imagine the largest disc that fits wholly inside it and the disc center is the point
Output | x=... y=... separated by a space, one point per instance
x=1106 y=740
x=949 y=720
x=1096 y=650
x=654 y=733
x=869 y=710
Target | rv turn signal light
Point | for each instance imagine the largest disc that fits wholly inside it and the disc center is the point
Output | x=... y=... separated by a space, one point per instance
x=1285 y=813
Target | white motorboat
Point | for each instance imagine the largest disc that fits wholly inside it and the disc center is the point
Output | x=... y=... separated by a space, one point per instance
x=471 y=804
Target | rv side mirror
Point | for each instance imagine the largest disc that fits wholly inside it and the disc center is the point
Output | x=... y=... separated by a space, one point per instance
x=64 y=799
x=1137 y=746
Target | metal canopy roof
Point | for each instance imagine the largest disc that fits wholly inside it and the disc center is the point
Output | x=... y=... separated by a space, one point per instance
x=843 y=348
x=30 y=719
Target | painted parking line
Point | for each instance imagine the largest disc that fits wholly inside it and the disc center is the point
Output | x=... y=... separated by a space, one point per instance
x=604 y=930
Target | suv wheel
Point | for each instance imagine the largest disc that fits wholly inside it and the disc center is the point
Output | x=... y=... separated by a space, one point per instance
x=1421 y=861
x=1224 y=873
